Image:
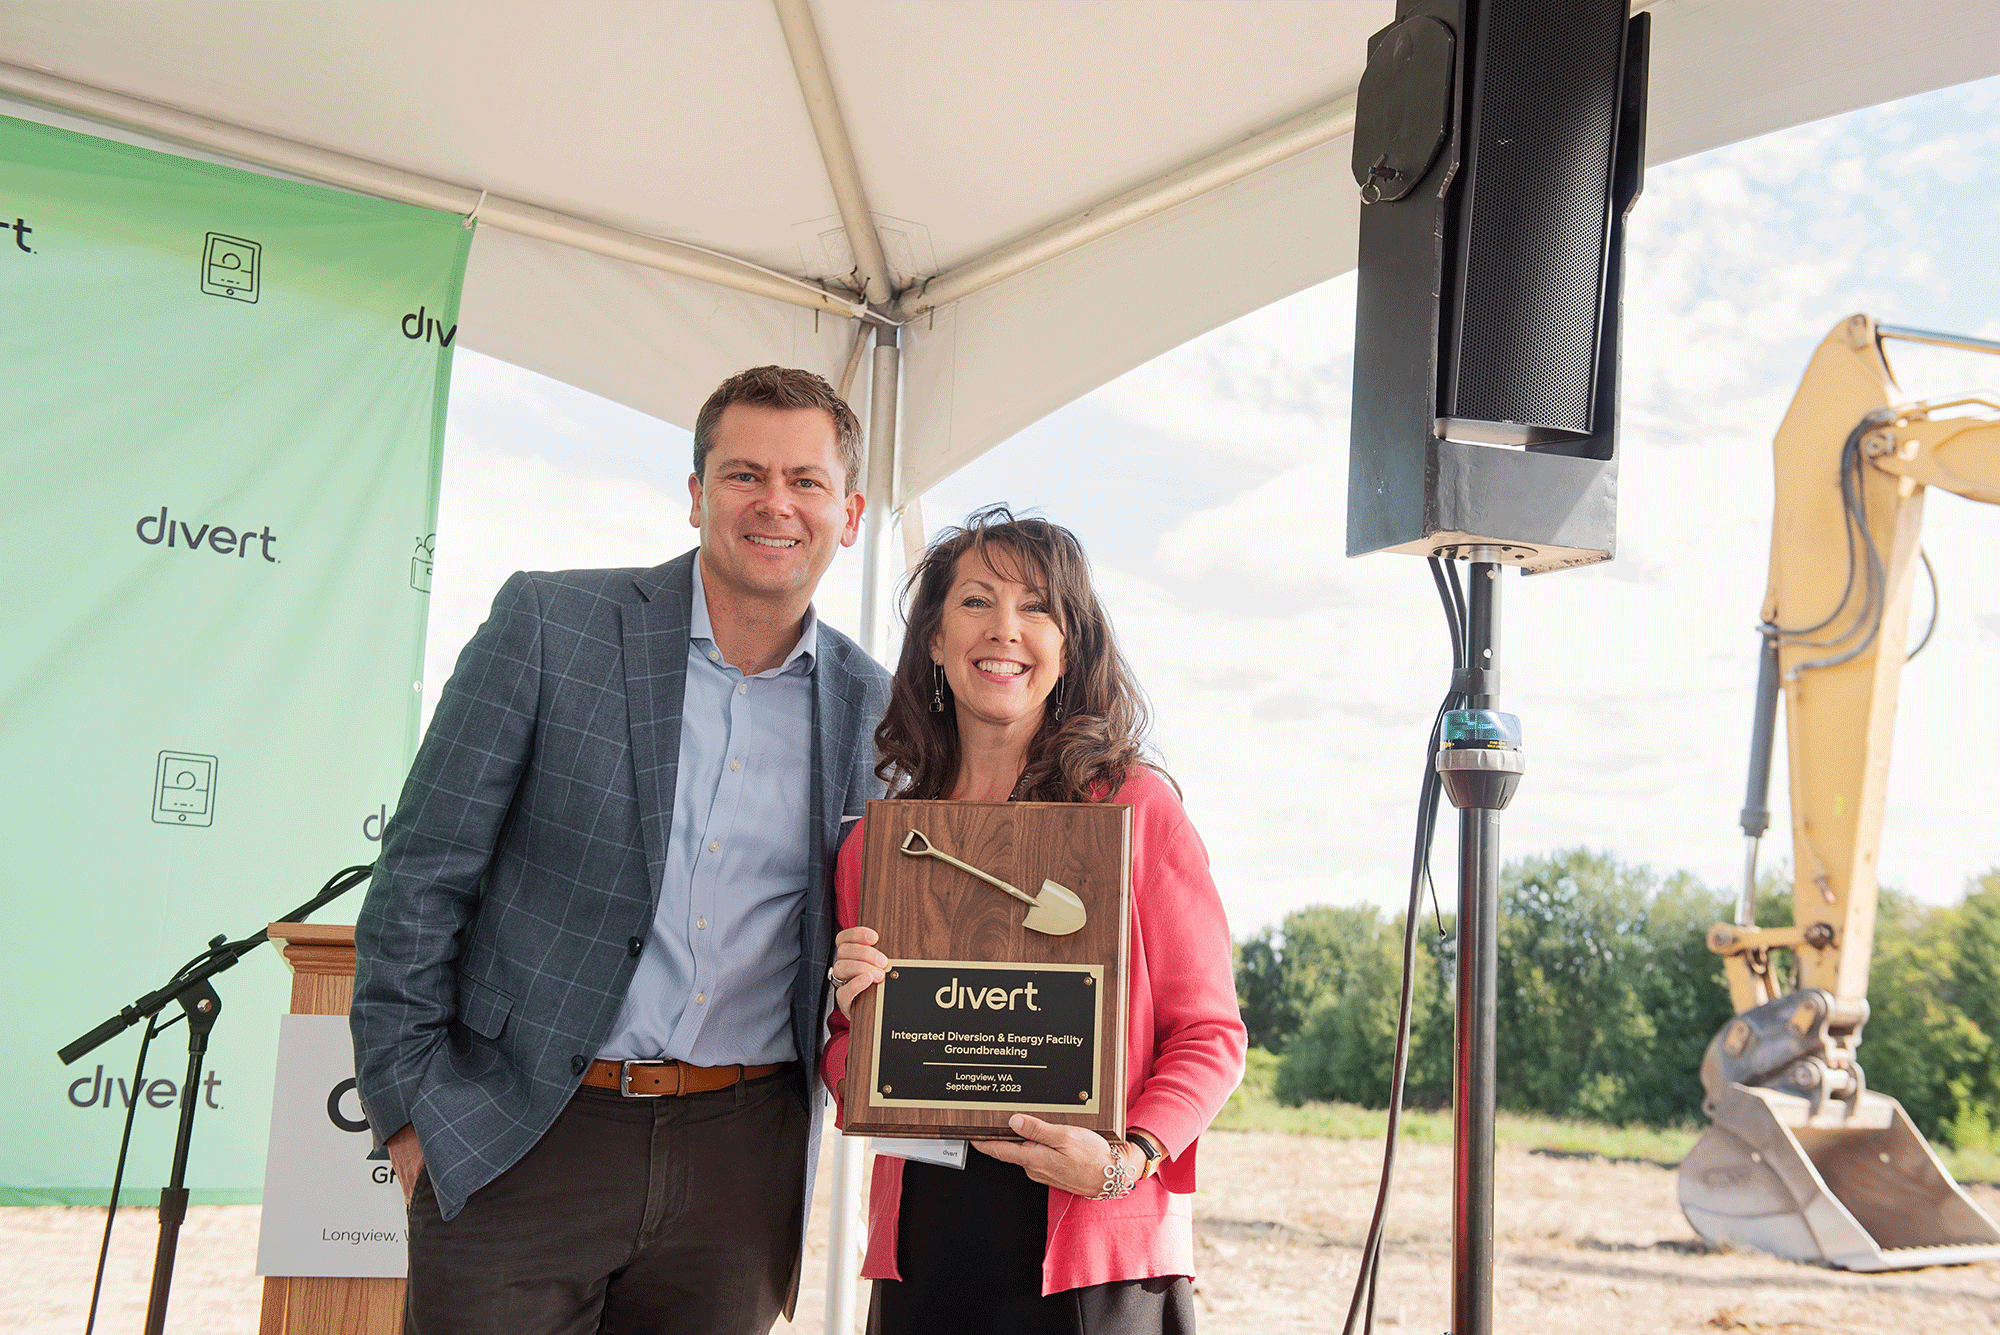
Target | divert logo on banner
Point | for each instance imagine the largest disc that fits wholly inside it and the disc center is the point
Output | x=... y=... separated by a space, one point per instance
x=21 y=232
x=231 y=267
x=99 y=1090
x=427 y=327
x=184 y=789
x=420 y=564
x=219 y=538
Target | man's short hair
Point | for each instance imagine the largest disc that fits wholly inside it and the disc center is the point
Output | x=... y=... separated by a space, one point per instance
x=781 y=387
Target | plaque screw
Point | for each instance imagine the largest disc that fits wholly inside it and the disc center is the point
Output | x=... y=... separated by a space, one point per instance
x=1088 y=980
x=1083 y=1096
x=887 y=1088
x=895 y=973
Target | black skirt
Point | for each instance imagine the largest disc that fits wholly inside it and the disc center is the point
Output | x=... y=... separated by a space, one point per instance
x=969 y=1245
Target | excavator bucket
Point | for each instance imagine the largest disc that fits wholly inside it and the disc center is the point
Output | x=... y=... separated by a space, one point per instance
x=1851 y=1184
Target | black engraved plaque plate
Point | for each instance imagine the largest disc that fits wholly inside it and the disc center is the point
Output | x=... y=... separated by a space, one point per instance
x=957 y=1034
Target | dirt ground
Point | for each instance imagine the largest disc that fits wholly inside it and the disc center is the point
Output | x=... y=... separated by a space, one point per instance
x=1583 y=1246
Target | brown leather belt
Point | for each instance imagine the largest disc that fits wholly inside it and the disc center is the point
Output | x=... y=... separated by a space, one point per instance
x=670 y=1079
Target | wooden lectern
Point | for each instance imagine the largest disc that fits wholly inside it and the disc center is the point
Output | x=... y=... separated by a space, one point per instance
x=321 y=956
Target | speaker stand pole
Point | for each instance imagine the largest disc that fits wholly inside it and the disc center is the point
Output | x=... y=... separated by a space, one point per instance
x=1473 y=1088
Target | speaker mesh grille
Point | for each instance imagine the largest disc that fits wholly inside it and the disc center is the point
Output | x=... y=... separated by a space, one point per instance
x=1535 y=235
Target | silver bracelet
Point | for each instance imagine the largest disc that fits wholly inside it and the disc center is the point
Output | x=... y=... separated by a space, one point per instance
x=1118 y=1176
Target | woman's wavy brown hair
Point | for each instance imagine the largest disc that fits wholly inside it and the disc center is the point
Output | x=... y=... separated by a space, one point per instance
x=1084 y=757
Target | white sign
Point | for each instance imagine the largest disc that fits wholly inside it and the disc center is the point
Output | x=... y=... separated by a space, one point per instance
x=943 y=1153
x=330 y=1209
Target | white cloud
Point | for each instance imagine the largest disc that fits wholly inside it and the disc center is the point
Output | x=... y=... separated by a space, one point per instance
x=1272 y=386
x=1956 y=158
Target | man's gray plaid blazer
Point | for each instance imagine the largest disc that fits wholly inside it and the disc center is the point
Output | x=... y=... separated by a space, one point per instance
x=526 y=853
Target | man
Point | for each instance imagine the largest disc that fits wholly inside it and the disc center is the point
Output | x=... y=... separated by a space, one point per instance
x=593 y=958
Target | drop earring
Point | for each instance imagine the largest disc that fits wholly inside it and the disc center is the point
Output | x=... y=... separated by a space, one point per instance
x=937 y=688
x=1059 y=698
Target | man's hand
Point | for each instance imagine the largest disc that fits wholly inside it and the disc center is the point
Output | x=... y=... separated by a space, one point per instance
x=1055 y=1155
x=407 y=1157
x=857 y=966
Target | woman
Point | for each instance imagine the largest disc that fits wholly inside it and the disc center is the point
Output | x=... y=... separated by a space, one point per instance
x=1012 y=688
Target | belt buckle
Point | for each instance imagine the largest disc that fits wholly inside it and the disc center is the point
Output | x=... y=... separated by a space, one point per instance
x=625 y=1076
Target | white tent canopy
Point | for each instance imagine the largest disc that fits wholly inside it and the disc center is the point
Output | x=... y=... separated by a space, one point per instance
x=623 y=147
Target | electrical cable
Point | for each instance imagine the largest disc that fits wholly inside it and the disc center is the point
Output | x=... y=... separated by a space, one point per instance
x=1448 y=592
x=1931 y=629
x=153 y=1027
x=1445 y=575
x=1361 y=1306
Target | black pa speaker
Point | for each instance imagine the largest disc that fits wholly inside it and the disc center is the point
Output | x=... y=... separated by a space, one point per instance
x=1498 y=146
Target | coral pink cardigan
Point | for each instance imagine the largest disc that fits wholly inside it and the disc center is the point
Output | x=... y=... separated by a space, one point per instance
x=1184 y=1055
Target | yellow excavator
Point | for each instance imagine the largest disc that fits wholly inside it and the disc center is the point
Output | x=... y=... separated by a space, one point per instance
x=1804 y=1160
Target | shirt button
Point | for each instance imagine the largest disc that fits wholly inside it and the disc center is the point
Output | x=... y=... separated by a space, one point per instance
x=701 y=924
x=715 y=846
x=736 y=764
x=743 y=689
x=701 y=998
x=634 y=946
x=714 y=657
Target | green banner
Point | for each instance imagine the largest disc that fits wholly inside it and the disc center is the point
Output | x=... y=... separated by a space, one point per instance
x=222 y=403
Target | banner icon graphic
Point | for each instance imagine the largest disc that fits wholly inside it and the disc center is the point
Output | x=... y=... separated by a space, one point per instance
x=229 y=266
x=184 y=789
x=420 y=564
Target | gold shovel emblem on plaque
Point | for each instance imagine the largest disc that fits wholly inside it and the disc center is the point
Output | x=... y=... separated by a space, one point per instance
x=1056 y=911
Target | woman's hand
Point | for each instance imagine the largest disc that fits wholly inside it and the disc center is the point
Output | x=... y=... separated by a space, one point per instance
x=857 y=966
x=1055 y=1155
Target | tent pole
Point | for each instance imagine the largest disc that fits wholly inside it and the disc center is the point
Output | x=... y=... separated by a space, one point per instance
x=884 y=394
x=846 y=1230
x=910 y=518
x=846 y=1235
x=386 y=182
x=860 y=345
x=836 y=150
x=1267 y=148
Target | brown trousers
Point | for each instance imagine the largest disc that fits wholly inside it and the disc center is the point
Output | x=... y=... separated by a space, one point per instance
x=628 y=1216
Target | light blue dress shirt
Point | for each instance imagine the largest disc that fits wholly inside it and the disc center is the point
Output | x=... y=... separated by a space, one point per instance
x=714 y=981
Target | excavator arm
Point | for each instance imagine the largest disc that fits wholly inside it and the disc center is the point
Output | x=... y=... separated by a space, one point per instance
x=1852 y=464
x=1803 y=1159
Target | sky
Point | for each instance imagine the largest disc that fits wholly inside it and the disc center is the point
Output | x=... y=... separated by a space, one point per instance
x=1292 y=686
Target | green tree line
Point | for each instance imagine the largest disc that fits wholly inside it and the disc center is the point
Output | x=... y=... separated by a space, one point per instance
x=1609 y=994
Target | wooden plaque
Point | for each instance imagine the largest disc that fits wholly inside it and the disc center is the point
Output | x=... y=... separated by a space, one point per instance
x=982 y=1017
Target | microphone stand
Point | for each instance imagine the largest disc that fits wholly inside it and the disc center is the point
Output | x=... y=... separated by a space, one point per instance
x=202 y=1007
